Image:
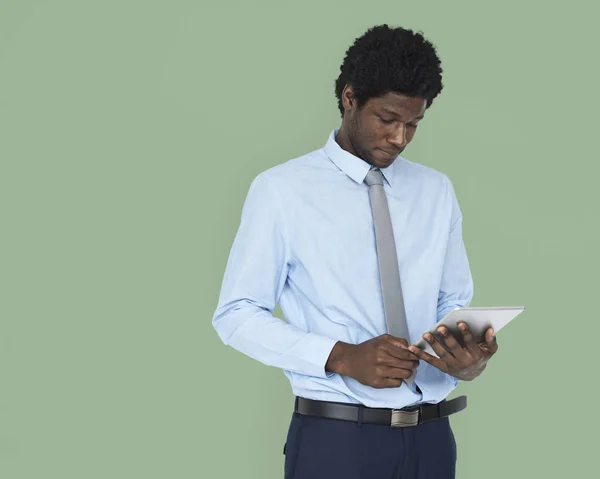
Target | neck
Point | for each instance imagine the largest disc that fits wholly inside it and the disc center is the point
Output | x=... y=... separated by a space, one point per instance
x=343 y=140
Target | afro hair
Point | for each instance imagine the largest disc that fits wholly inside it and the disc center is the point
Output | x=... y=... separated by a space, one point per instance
x=387 y=60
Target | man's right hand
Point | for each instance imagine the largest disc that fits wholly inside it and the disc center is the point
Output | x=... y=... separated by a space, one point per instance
x=381 y=362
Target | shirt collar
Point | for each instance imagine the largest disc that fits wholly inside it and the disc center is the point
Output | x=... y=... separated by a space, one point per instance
x=355 y=167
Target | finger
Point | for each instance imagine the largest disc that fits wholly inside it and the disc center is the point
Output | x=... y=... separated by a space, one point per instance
x=448 y=358
x=399 y=352
x=435 y=362
x=397 y=342
x=402 y=363
x=453 y=345
x=396 y=373
x=490 y=339
x=470 y=343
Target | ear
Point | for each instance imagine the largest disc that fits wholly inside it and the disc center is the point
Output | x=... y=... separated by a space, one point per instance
x=348 y=100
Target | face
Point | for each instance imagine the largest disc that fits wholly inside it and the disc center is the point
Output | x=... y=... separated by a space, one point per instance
x=381 y=130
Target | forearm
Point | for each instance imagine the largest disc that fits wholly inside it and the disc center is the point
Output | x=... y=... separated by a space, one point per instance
x=456 y=285
x=255 y=332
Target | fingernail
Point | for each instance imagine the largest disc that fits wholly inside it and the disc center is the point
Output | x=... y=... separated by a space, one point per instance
x=462 y=326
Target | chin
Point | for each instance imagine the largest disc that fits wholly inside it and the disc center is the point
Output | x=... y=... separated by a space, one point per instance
x=384 y=162
x=379 y=159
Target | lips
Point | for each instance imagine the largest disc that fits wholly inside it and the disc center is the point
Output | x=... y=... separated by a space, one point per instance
x=395 y=153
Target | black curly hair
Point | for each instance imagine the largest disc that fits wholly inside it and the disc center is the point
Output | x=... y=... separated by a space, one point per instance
x=387 y=60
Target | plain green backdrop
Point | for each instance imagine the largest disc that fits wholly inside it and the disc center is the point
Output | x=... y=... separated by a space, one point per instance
x=129 y=134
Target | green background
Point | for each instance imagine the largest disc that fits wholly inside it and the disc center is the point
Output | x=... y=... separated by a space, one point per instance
x=129 y=134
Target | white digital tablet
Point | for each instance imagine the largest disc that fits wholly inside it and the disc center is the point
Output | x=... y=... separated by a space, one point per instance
x=479 y=321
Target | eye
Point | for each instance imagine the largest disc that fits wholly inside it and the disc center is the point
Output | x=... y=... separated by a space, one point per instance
x=412 y=125
x=387 y=122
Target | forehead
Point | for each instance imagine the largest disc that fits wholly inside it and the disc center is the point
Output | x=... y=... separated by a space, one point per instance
x=398 y=104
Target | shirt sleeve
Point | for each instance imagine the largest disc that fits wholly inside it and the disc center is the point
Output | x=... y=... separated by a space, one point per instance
x=255 y=275
x=456 y=287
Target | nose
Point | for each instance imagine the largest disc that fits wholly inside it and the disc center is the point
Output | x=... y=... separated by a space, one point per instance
x=399 y=138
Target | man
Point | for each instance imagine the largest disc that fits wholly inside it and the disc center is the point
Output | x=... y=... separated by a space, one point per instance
x=313 y=237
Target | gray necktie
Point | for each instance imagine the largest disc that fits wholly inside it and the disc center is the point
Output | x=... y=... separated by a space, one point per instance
x=393 y=302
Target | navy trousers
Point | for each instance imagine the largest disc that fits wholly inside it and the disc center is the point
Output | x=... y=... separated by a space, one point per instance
x=321 y=448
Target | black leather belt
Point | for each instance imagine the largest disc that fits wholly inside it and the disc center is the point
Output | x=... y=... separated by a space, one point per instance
x=404 y=417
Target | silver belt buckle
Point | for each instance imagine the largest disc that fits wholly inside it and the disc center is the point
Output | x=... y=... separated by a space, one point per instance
x=402 y=418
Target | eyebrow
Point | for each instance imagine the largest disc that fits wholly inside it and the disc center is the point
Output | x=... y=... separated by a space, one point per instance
x=397 y=114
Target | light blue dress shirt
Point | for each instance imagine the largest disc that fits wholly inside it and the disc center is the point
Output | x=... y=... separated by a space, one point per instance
x=306 y=240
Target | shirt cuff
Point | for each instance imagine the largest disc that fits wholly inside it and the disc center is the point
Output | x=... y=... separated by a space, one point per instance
x=320 y=349
x=453 y=381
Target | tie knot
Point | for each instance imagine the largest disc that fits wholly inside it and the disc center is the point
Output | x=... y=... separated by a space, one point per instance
x=374 y=177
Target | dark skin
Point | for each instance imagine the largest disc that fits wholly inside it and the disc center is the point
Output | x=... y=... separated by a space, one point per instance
x=465 y=359
x=377 y=133
x=384 y=124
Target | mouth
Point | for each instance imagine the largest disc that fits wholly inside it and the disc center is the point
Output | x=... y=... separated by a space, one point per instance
x=391 y=154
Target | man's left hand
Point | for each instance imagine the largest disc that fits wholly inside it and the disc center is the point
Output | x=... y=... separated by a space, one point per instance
x=463 y=361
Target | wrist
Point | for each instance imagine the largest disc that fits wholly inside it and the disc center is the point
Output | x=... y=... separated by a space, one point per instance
x=471 y=373
x=338 y=359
